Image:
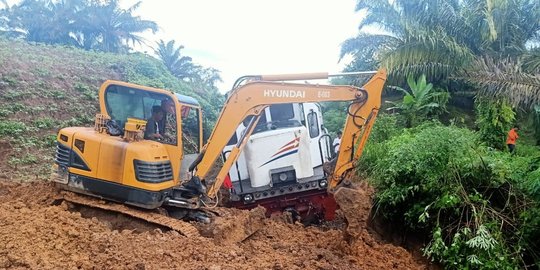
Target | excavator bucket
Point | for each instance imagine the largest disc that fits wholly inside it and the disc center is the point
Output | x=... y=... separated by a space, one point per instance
x=355 y=204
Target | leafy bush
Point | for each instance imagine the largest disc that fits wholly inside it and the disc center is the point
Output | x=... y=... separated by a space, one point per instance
x=25 y=160
x=334 y=114
x=44 y=123
x=494 y=119
x=12 y=128
x=385 y=127
x=420 y=101
x=471 y=201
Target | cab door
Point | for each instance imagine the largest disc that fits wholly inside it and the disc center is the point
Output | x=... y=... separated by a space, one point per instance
x=190 y=137
x=316 y=131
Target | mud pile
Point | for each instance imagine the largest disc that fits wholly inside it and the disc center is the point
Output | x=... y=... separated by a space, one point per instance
x=35 y=233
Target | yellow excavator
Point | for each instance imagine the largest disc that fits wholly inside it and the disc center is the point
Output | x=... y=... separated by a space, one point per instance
x=115 y=160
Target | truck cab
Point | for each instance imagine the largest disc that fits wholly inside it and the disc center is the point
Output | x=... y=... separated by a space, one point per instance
x=283 y=157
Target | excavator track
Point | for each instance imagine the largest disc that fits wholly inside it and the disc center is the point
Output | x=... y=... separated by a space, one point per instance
x=180 y=226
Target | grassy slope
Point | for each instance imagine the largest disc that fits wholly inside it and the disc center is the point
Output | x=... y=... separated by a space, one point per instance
x=44 y=88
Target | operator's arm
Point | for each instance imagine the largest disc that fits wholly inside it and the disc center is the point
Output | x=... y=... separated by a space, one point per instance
x=150 y=131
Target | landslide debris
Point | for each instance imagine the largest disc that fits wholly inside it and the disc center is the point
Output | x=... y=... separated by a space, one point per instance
x=37 y=234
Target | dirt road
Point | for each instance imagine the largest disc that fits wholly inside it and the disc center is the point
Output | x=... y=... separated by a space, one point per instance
x=36 y=234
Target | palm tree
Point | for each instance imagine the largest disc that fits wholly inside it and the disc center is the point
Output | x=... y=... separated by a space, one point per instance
x=504 y=78
x=5 y=29
x=444 y=38
x=101 y=25
x=109 y=28
x=180 y=66
x=43 y=21
x=29 y=20
x=405 y=45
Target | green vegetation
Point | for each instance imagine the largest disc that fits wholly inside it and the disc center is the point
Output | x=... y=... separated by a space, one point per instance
x=180 y=66
x=12 y=128
x=479 y=206
x=97 y=25
x=419 y=102
x=93 y=25
x=494 y=119
x=537 y=123
x=45 y=88
x=476 y=204
x=492 y=45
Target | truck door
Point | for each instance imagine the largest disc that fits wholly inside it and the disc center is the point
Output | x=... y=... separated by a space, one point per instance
x=239 y=169
x=314 y=124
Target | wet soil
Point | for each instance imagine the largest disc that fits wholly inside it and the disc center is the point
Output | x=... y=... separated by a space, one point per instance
x=37 y=232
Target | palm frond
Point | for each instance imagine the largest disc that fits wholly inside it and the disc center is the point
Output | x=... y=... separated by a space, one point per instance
x=367 y=42
x=434 y=54
x=531 y=61
x=504 y=79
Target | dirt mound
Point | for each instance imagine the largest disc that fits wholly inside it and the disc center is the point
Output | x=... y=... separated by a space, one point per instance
x=37 y=234
x=233 y=225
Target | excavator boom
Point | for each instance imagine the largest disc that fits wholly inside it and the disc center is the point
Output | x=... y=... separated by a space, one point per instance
x=250 y=99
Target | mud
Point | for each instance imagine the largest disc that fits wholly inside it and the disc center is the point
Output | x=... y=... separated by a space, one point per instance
x=37 y=234
x=233 y=225
x=355 y=205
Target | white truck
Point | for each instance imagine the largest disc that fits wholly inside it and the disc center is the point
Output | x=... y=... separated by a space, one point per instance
x=281 y=166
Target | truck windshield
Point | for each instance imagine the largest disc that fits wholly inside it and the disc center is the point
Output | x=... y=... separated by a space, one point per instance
x=281 y=116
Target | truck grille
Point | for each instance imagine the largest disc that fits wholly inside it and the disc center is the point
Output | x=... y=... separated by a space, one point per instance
x=62 y=154
x=153 y=172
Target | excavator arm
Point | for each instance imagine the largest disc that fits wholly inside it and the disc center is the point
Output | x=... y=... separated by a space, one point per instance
x=250 y=100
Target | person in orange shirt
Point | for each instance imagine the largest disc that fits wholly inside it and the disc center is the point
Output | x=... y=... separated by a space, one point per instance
x=511 y=138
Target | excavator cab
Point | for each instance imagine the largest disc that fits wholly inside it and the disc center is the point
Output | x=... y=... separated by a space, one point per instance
x=114 y=161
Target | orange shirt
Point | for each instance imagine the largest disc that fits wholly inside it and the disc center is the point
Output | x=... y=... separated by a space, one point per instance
x=512 y=137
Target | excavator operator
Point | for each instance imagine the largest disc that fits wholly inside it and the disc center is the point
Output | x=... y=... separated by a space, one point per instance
x=154 y=127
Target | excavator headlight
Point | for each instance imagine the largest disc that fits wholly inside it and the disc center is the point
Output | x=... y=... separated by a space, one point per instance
x=323 y=183
x=283 y=177
x=248 y=198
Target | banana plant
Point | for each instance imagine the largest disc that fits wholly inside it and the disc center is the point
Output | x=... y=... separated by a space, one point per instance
x=419 y=101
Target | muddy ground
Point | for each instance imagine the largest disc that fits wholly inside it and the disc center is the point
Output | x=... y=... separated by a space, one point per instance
x=37 y=234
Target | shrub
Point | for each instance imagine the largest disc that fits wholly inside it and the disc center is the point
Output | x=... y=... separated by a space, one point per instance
x=385 y=127
x=470 y=200
x=11 y=128
x=44 y=123
x=536 y=112
x=420 y=101
x=494 y=120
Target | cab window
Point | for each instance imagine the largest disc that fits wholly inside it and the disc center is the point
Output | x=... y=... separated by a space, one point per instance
x=283 y=116
x=190 y=129
x=281 y=112
x=313 y=124
x=123 y=102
